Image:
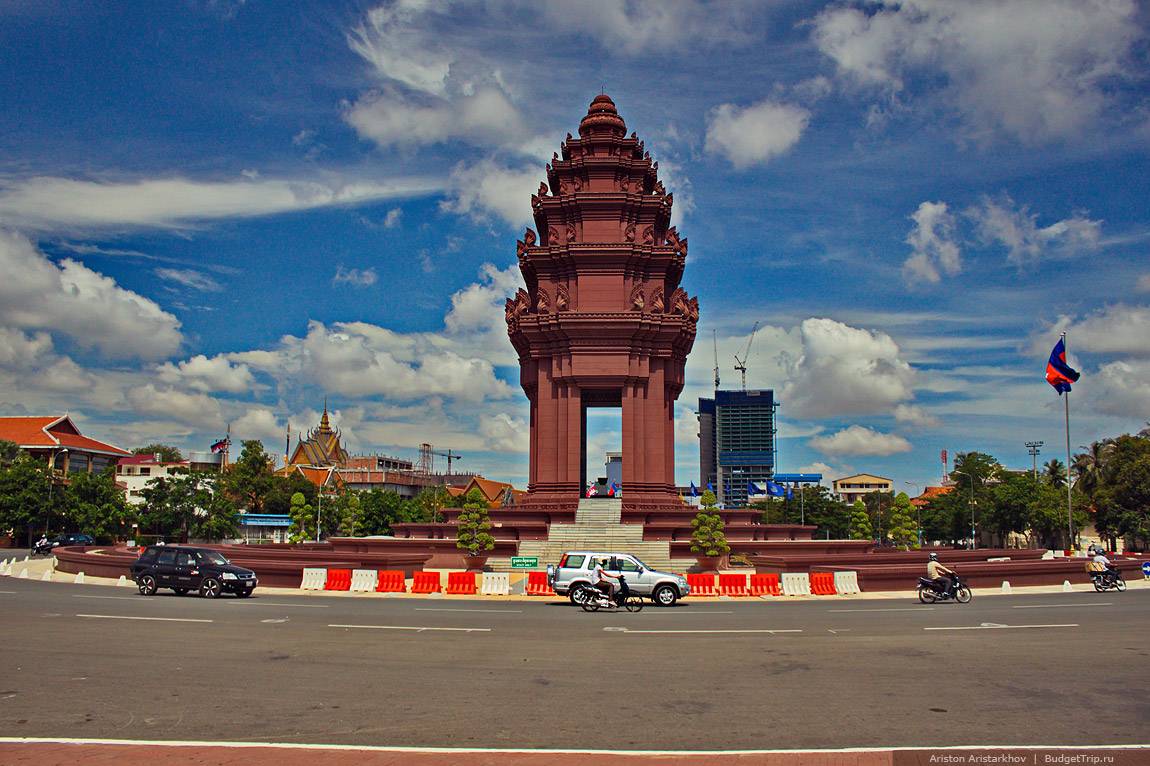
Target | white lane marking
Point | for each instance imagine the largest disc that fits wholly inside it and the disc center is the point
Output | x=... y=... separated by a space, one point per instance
x=737 y=630
x=681 y=613
x=999 y=626
x=249 y=602
x=416 y=628
x=497 y=611
x=899 y=609
x=9 y=592
x=121 y=598
x=838 y=630
x=275 y=622
x=150 y=619
x=1055 y=606
x=174 y=743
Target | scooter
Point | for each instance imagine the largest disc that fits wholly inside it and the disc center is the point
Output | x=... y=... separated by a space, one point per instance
x=42 y=547
x=928 y=592
x=592 y=599
x=1108 y=580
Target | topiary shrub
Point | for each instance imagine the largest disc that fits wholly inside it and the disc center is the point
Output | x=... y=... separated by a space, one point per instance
x=707 y=536
x=473 y=534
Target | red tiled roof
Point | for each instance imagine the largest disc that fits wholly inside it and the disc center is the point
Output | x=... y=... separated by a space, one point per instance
x=929 y=493
x=49 y=432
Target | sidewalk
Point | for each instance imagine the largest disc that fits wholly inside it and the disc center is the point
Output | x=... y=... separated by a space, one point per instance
x=37 y=567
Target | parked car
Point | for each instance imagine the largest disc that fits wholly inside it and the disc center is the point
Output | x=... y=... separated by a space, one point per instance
x=184 y=569
x=576 y=567
x=71 y=538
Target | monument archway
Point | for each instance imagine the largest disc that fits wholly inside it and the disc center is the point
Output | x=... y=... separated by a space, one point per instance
x=603 y=321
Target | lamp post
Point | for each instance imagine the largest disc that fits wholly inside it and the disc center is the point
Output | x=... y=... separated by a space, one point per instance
x=917 y=508
x=973 y=539
x=1034 y=448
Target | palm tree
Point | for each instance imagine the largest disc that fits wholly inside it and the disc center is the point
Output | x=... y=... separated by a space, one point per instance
x=1055 y=473
x=1089 y=467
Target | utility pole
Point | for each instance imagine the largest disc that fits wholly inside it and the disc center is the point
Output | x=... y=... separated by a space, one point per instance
x=715 y=341
x=1033 y=449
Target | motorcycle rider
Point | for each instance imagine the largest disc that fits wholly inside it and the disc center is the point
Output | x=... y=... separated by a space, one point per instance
x=943 y=578
x=42 y=545
x=601 y=579
x=1108 y=570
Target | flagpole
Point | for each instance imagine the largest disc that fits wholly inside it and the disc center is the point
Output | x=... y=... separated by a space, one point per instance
x=1069 y=506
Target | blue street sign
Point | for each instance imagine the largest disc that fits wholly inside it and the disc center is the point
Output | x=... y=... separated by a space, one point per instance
x=1146 y=569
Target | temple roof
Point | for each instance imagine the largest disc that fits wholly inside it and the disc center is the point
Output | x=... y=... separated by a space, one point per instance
x=602 y=117
x=322 y=446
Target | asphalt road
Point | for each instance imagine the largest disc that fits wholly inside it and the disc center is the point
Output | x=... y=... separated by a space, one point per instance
x=97 y=662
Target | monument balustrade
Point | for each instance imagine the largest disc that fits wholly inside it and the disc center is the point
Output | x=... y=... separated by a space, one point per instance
x=981 y=574
x=785 y=560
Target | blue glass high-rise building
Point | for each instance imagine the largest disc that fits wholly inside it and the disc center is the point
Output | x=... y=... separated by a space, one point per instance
x=737 y=442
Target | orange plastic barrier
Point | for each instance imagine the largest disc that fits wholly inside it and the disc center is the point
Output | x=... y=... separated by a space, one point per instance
x=765 y=585
x=537 y=585
x=733 y=585
x=702 y=584
x=425 y=582
x=460 y=584
x=391 y=581
x=338 y=579
x=823 y=583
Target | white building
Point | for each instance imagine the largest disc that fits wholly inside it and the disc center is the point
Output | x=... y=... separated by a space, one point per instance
x=136 y=471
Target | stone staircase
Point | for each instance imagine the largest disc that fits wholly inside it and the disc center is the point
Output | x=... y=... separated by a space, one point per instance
x=597 y=527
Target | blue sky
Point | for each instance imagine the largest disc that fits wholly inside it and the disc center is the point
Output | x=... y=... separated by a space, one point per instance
x=220 y=212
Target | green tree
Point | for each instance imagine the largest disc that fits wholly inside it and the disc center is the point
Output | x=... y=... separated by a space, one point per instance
x=878 y=508
x=1047 y=520
x=902 y=529
x=708 y=536
x=1011 y=504
x=94 y=504
x=24 y=490
x=302 y=519
x=9 y=452
x=381 y=509
x=1123 y=497
x=167 y=453
x=1054 y=471
x=859 y=525
x=249 y=480
x=277 y=500
x=430 y=502
x=474 y=530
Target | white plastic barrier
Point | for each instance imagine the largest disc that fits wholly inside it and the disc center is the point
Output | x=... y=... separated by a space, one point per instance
x=80 y=578
x=313 y=579
x=1057 y=554
x=1000 y=558
x=495 y=584
x=796 y=584
x=47 y=576
x=1048 y=556
x=122 y=582
x=847 y=582
x=1006 y=586
x=23 y=574
x=364 y=580
x=1066 y=586
x=5 y=567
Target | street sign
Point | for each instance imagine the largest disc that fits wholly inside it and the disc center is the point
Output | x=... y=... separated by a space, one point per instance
x=524 y=562
x=1146 y=569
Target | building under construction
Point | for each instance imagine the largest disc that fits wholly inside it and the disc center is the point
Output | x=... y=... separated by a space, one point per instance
x=736 y=443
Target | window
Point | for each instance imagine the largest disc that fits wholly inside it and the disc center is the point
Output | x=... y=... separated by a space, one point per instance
x=185 y=559
x=149 y=555
x=145 y=471
x=626 y=565
x=166 y=558
x=575 y=562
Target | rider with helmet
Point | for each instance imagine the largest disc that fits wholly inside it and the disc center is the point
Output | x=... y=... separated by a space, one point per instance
x=943 y=578
x=602 y=579
x=1103 y=565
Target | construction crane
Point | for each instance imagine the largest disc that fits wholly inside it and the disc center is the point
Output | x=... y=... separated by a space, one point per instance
x=715 y=340
x=427 y=458
x=741 y=364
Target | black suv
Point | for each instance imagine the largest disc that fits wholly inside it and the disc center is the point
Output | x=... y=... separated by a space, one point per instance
x=73 y=538
x=185 y=569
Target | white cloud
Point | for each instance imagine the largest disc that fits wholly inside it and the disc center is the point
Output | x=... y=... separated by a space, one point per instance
x=1016 y=228
x=933 y=244
x=50 y=204
x=208 y=374
x=486 y=188
x=639 y=26
x=20 y=350
x=1120 y=388
x=845 y=370
x=912 y=414
x=393 y=218
x=504 y=433
x=484 y=118
x=194 y=280
x=355 y=277
x=389 y=39
x=859 y=440
x=196 y=409
x=88 y=307
x=755 y=134
x=259 y=423
x=1117 y=329
x=1038 y=71
x=828 y=472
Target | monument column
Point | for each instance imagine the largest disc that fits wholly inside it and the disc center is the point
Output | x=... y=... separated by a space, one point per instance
x=603 y=320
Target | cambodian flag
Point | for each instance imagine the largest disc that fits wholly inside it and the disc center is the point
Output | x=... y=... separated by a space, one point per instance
x=612 y=490
x=1058 y=373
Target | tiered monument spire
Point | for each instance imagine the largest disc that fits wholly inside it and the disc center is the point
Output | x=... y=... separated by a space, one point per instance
x=603 y=321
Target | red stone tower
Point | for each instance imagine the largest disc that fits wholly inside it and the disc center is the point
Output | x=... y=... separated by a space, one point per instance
x=603 y=321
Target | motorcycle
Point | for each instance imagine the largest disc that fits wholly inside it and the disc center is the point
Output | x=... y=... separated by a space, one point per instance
x=591 y=599
x=928 y=592
x=1104 y=581
x=42 y=547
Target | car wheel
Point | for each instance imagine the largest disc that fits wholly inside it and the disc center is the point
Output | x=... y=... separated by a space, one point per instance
x=210 y=587
x=665 y=595
x=147 y=585
x=181 y=591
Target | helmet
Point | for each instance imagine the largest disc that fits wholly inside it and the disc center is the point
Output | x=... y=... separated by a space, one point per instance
x=933 y=557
